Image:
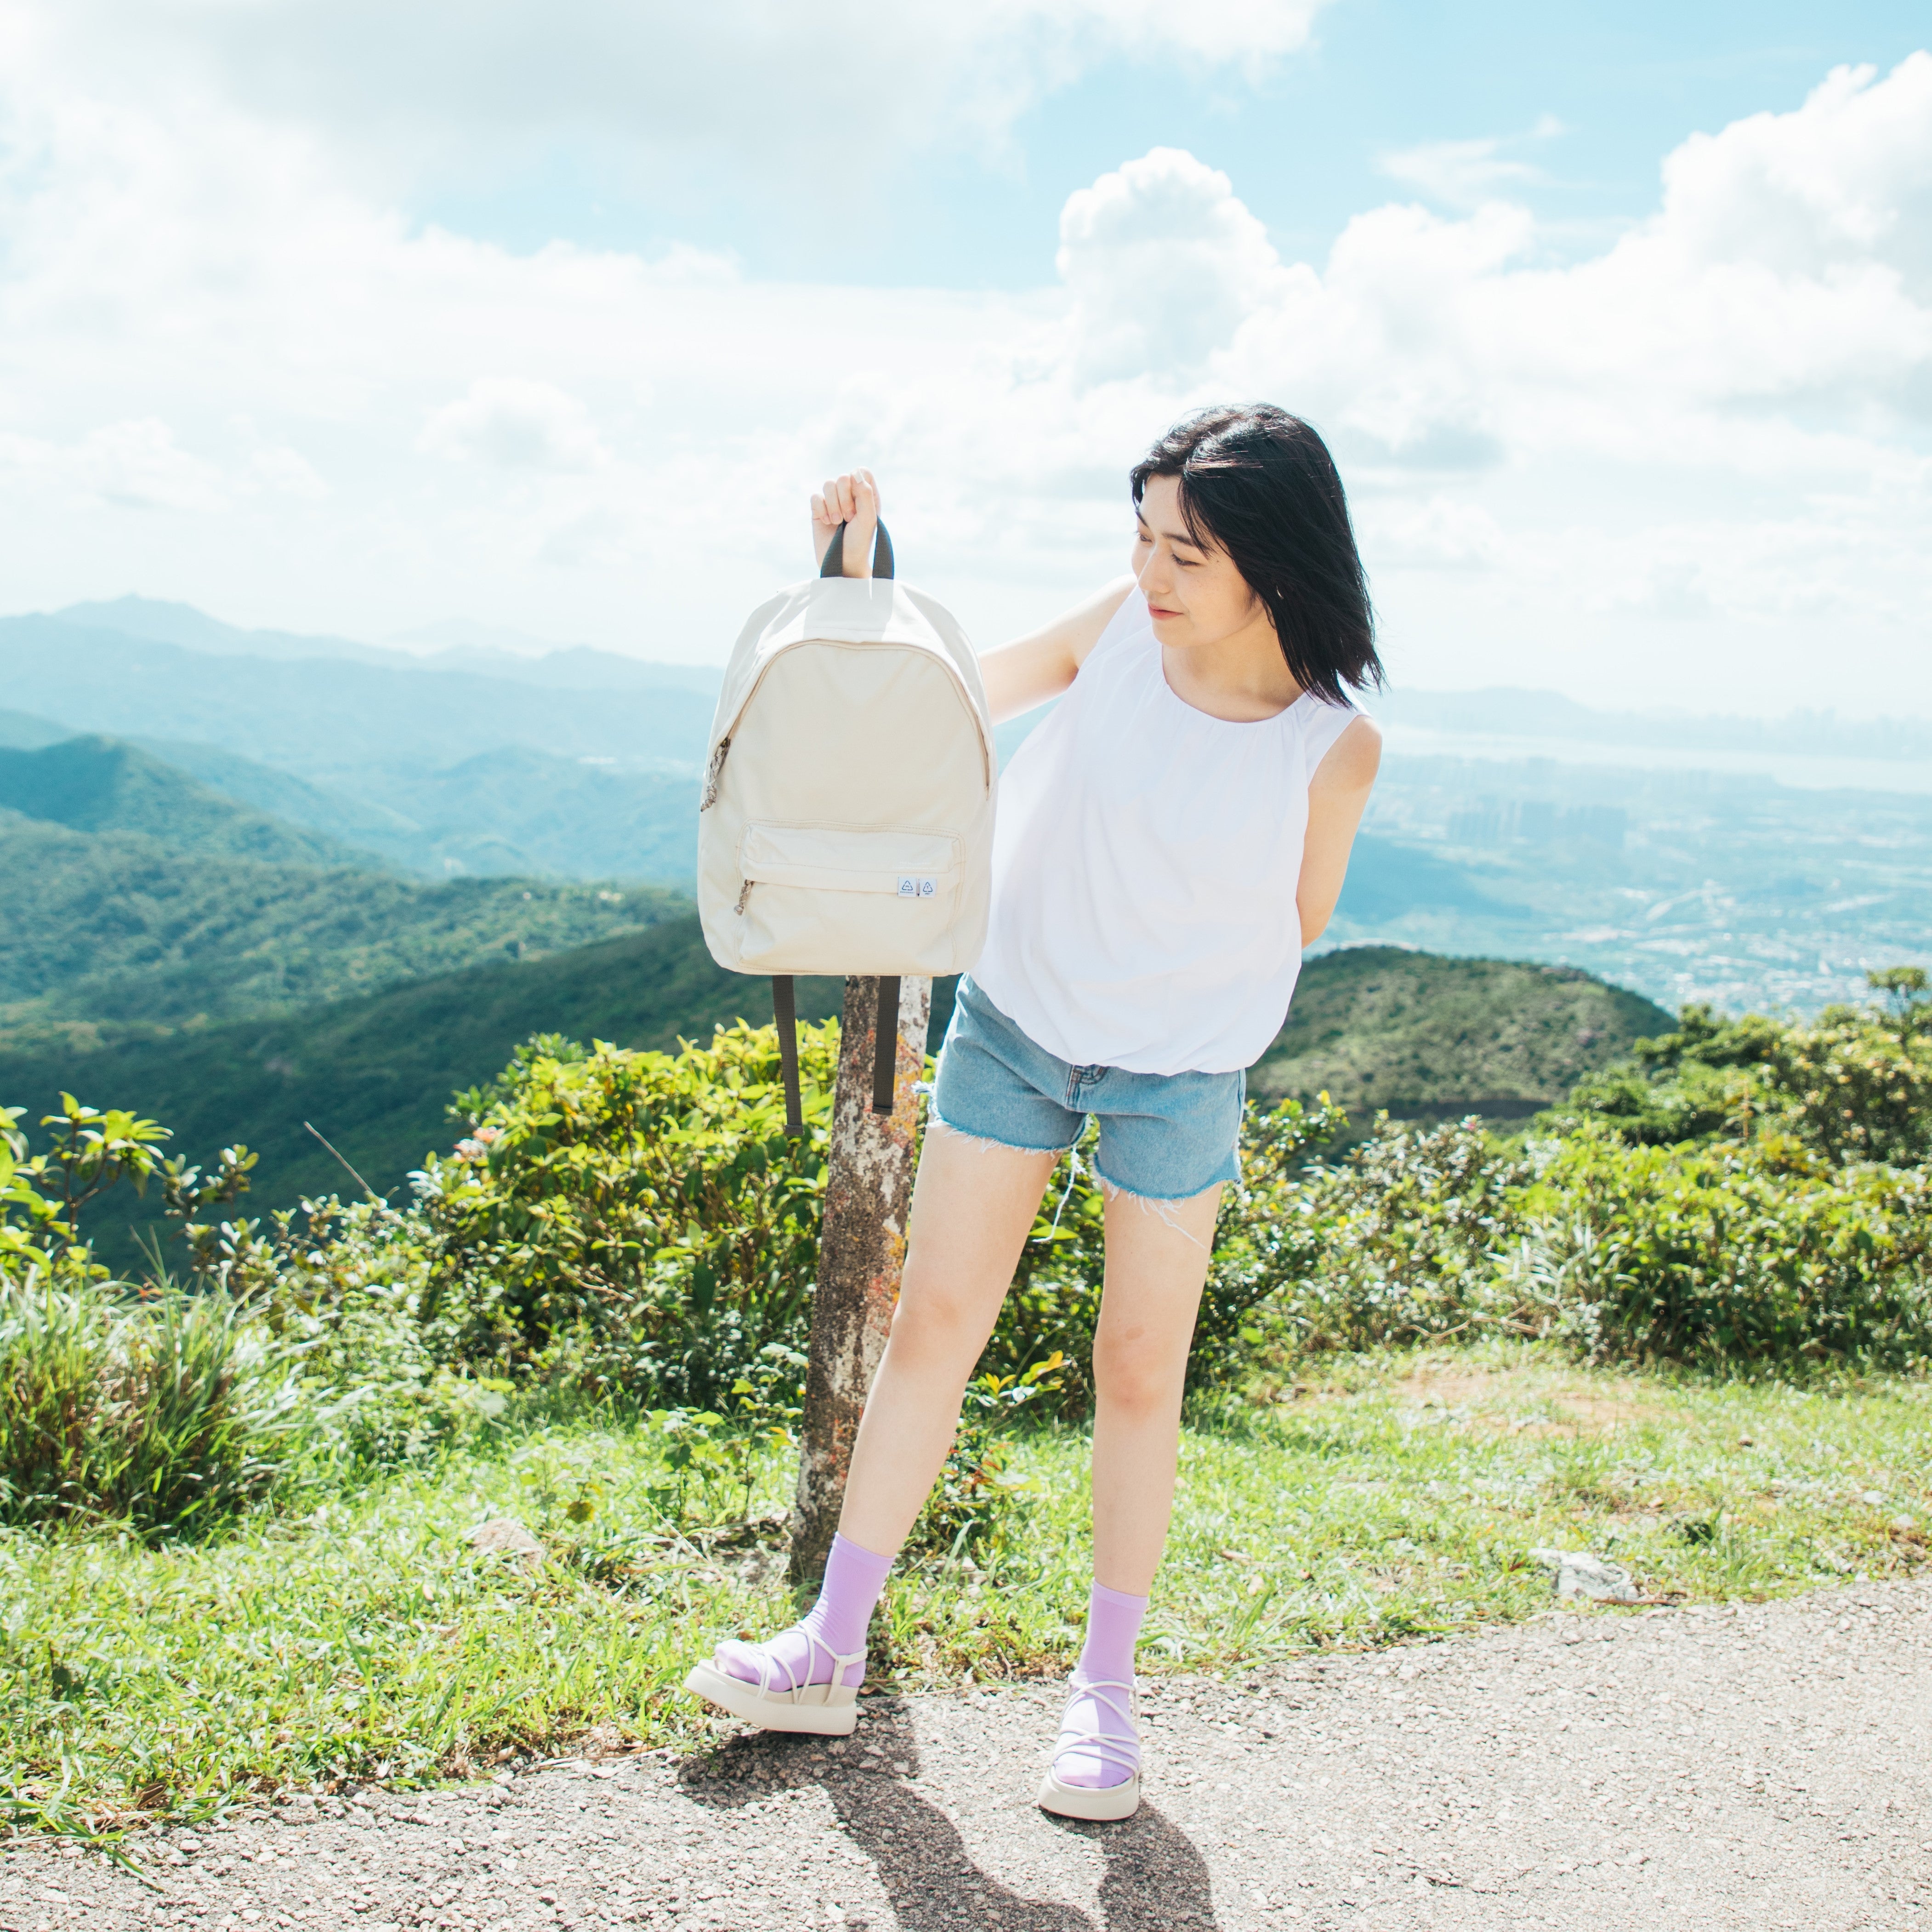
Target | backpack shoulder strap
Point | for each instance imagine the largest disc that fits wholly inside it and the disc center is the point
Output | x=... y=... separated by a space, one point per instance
x=785 y=1014
x=885 y=1045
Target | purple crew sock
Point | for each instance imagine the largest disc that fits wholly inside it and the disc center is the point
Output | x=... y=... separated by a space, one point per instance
x=835 y=1626
x=1107 y=1665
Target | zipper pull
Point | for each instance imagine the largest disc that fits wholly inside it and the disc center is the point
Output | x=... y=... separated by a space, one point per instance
x=743 y=896
x=712 y=776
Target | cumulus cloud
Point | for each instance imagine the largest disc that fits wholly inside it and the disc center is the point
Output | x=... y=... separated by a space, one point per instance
x=131 y=465
x=744 y=82
x=517 y=423
x=1163 y=262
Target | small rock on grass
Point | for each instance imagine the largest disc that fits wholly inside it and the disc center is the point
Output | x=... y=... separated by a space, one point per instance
x=507 y=1536
x=1580 y=1574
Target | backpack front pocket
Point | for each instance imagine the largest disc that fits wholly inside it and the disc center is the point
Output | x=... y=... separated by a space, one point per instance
x=908 y=884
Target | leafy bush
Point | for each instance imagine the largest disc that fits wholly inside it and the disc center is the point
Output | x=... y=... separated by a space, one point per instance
x=1720 y=1255
x=637 y=1220
x=1406 y=1241
x=1728 y=1254
x=1854 y=1085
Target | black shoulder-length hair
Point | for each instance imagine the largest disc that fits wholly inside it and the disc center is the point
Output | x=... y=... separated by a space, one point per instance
x=1261 y=485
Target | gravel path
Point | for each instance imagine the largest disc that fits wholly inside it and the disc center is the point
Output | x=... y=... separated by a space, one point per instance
x=1765 y=1766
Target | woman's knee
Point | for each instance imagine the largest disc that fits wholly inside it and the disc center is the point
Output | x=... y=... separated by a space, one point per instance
x=1138 y=1377
x=932 y=1317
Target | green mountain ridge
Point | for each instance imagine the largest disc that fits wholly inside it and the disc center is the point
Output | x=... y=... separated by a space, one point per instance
x=91 y=784
x=1427 y=1037
x=376 y=1074
x=113 y=932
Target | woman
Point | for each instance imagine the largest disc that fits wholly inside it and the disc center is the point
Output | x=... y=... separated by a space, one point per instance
x=1169 y=842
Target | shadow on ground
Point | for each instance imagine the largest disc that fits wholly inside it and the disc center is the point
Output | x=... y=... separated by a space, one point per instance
x=1154 y=1881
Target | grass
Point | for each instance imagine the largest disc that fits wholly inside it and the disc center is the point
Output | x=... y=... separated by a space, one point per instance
x=358 y=1636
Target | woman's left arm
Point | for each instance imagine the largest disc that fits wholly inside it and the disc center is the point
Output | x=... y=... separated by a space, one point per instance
x=1337 y=795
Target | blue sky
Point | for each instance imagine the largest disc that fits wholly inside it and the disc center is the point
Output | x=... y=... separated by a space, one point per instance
x=1309 y=140
x=331 y=315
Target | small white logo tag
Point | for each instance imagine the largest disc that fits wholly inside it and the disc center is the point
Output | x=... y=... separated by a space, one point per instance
x=913 y=887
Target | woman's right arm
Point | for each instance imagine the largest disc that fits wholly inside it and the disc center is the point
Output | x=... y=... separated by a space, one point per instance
x=1032 y=669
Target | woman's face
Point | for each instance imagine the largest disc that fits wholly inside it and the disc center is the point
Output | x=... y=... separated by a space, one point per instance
x=1195 y=595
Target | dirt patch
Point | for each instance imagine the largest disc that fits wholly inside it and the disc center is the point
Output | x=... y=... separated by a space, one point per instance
x=1523 y=1402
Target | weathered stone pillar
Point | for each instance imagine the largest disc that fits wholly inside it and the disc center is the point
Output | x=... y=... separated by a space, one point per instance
x=861 y=1252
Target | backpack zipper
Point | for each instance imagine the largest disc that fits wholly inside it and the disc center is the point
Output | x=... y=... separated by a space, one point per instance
x=744 y=897
x=712 y=777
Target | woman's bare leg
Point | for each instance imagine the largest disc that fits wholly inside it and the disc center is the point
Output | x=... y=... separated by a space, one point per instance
x=1157 y=1254
x=972 y=1205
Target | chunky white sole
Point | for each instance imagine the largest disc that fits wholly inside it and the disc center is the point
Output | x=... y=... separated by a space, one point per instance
x=831 y=1712
x=1112 y=1802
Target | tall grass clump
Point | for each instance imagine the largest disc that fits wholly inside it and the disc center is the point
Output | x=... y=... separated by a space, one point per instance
x=166 y=1408
x=169 y=1414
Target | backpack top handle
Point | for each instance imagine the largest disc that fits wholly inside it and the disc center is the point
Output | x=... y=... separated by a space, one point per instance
x=834 y=565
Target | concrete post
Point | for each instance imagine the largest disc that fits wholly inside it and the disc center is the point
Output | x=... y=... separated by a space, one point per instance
x=861 y=1251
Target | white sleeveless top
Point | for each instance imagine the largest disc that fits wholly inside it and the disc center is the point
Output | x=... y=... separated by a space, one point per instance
x=1145 y=867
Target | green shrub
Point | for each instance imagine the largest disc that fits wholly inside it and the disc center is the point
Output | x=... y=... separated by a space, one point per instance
x=635 y=1221
x=1854 y=1084
x=164 y=1409
x=1730 y=1254
x=640 y=1221
x=346 y=1284
x=1405 y=1241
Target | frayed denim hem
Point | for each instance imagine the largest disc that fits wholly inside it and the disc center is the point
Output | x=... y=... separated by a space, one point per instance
x=986 y=1143
x=1162 y=1206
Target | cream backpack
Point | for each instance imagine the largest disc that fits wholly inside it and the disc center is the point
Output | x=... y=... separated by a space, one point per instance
x=846 y=824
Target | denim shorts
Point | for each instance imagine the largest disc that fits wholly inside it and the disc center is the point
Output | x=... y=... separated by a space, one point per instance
x=1163 y=1136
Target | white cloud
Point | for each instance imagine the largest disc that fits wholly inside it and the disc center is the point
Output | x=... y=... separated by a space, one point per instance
x=361 y=424
x=517 y=423
x=741 y=83
x=1461 y=173
x=1466 y=174
x=135 y=464
x=1163 y=262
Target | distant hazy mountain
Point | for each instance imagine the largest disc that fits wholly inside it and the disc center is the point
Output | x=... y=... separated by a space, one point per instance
x=488 y=649
x=511 y=812
x=516 y=810
x=354 y=820
x=103 y=784
x=1506 y=712
x=160 y=622
x=1387 y=878
x=20 y=731
x=315 y=715
x=500 y=652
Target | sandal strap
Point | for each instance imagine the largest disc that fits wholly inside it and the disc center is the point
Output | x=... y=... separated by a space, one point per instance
x=760 y=1656
x=1120 y=1748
